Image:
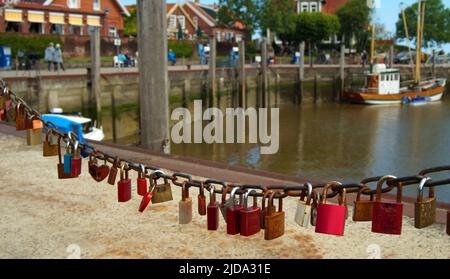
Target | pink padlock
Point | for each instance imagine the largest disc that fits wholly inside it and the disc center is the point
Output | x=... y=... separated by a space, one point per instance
x=331 y=217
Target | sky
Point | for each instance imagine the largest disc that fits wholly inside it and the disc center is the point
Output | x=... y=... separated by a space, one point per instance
x=387 y=12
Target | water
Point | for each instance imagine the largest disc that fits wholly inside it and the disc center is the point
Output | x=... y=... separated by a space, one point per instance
x=343 y=142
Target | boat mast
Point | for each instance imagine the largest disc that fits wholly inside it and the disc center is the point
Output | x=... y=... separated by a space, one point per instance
x=372 y=47
x=405 y=23
x=419 y=37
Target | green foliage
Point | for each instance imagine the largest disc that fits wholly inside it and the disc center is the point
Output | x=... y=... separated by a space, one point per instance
x=280 y=16
x=437 y=23
x=30 y=43
x=354 y=17
x=315 y=27
x=130 y=24
x=181 y=48
x=244 y=11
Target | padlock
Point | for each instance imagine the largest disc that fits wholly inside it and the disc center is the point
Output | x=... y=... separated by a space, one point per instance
x=331 y=217
x=212 y=215
x=48 y=148
x=97 y=172
x=161 y=192
x=29 y=121
x=362 y=209
x=3 y=113
x=225 y=203
x=142 y=182
x=124 y=185
x=20 y=117
x=185 y=206
x=145 y=201
x=67 y=159
x=201 y=200
x=113 y=172
x=424 y=210
x=315 y=203
x=232 y=214
x=250 y=218
x=34 y=137
x=265 y=209
x=303 y=212
x=274 y=220
x=387 y=216
x=75 y=161
x=61 y=165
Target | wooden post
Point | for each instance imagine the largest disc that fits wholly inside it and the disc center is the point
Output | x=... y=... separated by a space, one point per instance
x=212 y=72
x=114 y=114
x=301 y=72
x=242 y=73
x=433 y=66
x=342 y=73
x=264 y=67
x=95 y=75
x=391 y=56
x=153 y=76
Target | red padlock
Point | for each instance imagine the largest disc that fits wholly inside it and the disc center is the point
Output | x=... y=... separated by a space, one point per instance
x=142 y=182
x=201 y=200
x=75 y=161
x=212 y=212
x=232 y=213
x=331 y=217
x=250 y=218
x=146 y=200
x=387 y=217
x=124 y=185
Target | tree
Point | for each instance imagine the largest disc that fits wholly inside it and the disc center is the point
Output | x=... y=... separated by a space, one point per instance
x=233 y=11
x=315 y=27
x=280 y=17
x=354 y=17
x=437 y=23
x=130 y=24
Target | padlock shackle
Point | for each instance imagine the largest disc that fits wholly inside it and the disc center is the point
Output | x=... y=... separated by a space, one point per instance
x=212 y=194
x=361 y=191
x=233 y=193
x=271 y=204
x=309 y=195
x=249 y=191
x=184 y=191
x=124 y=171
x=380 y=187
x=266 y=195
x=421 y=187
x=143 y=172
x=327 y=187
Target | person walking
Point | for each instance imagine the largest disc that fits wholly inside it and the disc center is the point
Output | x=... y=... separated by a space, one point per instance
x=172 y=57
x=58 y=58
x=48 y=57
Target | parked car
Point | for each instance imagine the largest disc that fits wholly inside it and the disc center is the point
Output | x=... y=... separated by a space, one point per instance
x=403 y=57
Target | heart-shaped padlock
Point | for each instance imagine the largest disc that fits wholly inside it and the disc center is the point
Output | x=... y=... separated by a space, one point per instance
x=97 y=172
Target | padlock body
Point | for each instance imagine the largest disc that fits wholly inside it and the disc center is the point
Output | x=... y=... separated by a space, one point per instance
x=49 y=149
x=264 y=212
x=124 y=190
x=387 y=218
x=274 y=225
x=112 y=175
x=34 y=137
x=250 y=221
x=224 y=207
x=67 y=162
x=303 y=214
x=185 y=211
x=142 y=186
x=162 y=193
x=330 y=219
x=201 y=200
x=233 y=221
x=212 y=216
x=75 y=166
x=362 y=211
x=425 y=213
x=62 y=174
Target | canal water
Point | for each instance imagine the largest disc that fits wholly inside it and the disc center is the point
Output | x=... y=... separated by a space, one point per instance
x=344 y=142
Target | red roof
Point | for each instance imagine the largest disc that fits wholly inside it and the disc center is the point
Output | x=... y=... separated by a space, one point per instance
x=331 y=6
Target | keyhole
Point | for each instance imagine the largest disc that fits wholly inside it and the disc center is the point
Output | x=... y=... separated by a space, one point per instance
x=74 y=251
x=374 y=251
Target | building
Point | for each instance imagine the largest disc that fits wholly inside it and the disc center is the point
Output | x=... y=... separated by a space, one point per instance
x=189 y=20
x=324 y=6
x=62 y=17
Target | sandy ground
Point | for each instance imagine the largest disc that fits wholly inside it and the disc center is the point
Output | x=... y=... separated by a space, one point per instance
x=43 y=217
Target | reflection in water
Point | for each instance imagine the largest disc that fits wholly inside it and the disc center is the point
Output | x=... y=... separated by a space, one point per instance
x=343 y=142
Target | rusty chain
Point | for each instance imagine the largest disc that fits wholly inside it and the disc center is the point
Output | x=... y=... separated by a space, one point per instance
x=179 y=178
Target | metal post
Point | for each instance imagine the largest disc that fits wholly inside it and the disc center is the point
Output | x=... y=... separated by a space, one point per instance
x=264 y=67
x=301 y=72
x=342 y=73
x=95 y=75
x=242 y=73
x=212 y=71
x=153 y=76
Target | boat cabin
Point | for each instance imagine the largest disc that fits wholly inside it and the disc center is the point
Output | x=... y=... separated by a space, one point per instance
x=383 y=81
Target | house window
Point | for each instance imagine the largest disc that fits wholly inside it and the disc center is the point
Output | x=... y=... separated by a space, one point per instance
x=96 y=5
x=35 y=28
x=305 y=7
x=73 y=4
x=313 y=7
x=57 y=29
x=219 y=39
x=229 y=36
x=76 y=30
x=173 y=21
x=195 y=20
x=182 y=21
x=112 y=31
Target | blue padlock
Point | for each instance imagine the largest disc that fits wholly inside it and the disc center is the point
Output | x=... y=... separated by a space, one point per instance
x=67 y=159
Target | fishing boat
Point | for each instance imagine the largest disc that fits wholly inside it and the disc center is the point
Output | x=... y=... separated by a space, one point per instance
x=383 y=86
